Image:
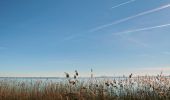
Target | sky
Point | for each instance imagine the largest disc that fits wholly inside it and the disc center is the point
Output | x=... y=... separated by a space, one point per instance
x=113 y=37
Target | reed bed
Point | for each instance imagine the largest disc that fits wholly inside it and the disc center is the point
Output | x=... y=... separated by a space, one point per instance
x=127 y=88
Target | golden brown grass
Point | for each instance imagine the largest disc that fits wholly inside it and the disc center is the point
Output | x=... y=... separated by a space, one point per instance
x=136 y=88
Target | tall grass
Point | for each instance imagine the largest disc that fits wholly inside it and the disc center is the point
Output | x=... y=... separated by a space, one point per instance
x=127 y=88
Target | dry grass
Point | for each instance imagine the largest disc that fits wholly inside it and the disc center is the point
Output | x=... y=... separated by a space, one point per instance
x=132 y=88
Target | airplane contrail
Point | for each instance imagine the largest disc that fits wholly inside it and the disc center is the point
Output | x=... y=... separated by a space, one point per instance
x=123 y=4
x=131 y=17
x=142 y=29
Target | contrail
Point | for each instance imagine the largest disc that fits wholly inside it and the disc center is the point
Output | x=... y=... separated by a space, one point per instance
x=136 y=42
x=142 y=29
x=131 y=17
x=123 y=4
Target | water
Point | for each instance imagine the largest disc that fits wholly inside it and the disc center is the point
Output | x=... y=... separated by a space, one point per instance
x=63 y=79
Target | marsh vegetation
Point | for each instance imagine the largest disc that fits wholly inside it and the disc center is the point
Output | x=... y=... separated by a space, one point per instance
x=74 y=88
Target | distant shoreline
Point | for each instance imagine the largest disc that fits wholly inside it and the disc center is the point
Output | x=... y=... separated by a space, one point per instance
x=79 y=77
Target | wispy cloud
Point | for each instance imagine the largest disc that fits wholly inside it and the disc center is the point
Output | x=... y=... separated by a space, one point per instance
x=135 y=41
x=71 y=37
x=131 y=17
x=124 y=3
x=142 y=29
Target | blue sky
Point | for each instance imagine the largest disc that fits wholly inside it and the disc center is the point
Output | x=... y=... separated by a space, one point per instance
x=114 y=37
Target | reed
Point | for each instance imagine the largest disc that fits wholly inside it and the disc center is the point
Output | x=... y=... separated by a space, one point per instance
x=72 y=88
